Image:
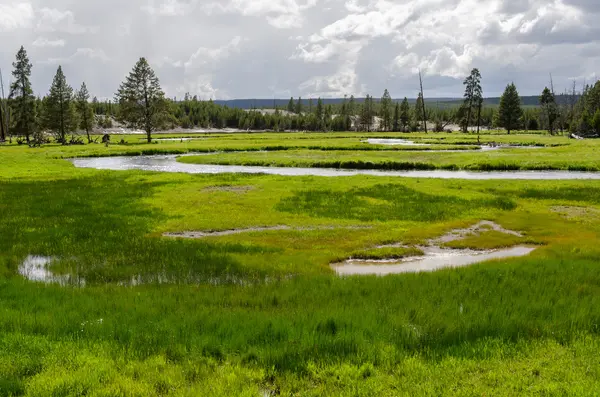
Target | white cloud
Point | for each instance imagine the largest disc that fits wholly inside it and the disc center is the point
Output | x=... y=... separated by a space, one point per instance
x=205 y=56
x=169 y=8
x=282 y=14
x=54 y=20
x=15 y=15
x=45 y=42
x=81 y=53
x=260 y=48
x=202 y=87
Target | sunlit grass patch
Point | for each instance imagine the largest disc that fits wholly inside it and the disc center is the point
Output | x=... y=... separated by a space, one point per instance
x=386 y=202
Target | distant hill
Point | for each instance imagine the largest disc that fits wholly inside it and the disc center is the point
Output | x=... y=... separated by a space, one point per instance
x=532 y=100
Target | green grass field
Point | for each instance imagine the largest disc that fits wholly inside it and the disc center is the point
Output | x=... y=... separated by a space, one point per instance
x=262 y=313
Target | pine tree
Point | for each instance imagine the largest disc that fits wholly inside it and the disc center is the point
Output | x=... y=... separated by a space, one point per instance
x=419 y=116
x=404 y=114
x=320 y=115
x=351 y=112
x=367 y=114
x=510 y=113
x=548 y=102
x=396 y=125
x=21 y=97
x=59 y=110
x=473 y=97
x=3 y=111
x=299 y=106
x=595 y=123
x=327 y=116
x=290 y=107
x=141 y=99
x=86 y=113
x=386 y=111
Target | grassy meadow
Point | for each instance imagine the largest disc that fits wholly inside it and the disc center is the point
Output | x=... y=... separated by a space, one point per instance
x=262 y=313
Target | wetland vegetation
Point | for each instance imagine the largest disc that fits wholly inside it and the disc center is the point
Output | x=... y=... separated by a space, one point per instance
x=261 y=311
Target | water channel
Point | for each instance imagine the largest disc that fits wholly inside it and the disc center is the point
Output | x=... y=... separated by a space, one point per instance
x=169 y=163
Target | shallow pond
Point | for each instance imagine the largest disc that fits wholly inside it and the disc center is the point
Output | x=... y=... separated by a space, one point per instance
x=395 y=142
x=35 y=268
x=168 y=163
x=434 y=259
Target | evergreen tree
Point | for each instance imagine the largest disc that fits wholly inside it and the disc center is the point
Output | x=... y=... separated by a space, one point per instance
x=419 y=116
x=290 y=106
x=299 y=106
x=596 y=122
x=320 y=115
x=405 y=113
x=510 y=113
x=396 y=125
x=367 y=114
x=21 y=97
x=86 y=113
x=3 y=111
x=141 y=99
x=386 y=111
x=548 y=102
x=473 y=97
x=59 y=110
x=327 y=117
x=351 y=112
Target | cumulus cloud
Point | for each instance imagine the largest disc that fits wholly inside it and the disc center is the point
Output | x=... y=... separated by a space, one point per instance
x=15 y=15
x=45 y=42
x=168 y=8
x=278 y=13
x=81 y=53
x=266 y=48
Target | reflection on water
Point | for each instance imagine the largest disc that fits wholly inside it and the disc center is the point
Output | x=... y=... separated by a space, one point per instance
x=174 y=139
x=434 y=259
x=395 y=142
x=35 y=268
x=168 y=163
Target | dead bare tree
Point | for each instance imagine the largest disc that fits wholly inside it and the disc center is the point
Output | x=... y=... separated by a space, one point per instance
x=558 y=107
x=423 y=102
x=573 y=102
x=3 y=112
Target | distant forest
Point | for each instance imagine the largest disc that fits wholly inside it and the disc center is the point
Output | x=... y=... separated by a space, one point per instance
x=140 y=103
x=531 y=101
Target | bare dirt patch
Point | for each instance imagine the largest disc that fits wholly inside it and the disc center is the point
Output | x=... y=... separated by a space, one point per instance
x=203 y=234
x=475 y=230
x=228 y=188
x=577 y=213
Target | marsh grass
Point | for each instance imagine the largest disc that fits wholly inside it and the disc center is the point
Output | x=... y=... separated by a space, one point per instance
x=490 y=240
x=386 y=202
x=263 y=312
x=386 y=253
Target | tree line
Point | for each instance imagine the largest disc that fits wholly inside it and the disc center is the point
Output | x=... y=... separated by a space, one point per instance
x=140 y=103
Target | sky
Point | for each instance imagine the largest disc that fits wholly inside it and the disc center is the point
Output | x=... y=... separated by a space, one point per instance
x=230 y=49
